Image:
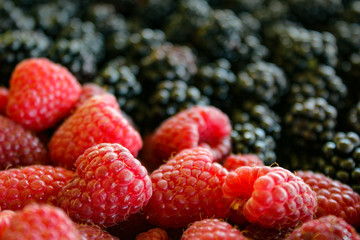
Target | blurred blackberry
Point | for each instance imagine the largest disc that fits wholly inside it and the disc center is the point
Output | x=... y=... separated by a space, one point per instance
x=143 y=43
x=222 y=36
x=125 y=7
x=351 y=12
x=242 y=5
x=341 y=159
x=75 y=55
x=13 y=18
x=321 y=82
x=53 y=16
x=25 y=4
x=259 y=115
x=251 y=24
x=247 y=138
x=310 y=124
x=262 y=81
x=354 y=118
x=295 y=48
x=271 y=11
x=168 y=62
x=172 y=96
x=18 y=45
x=190 y=15
x=214 y=80
x=296 y=158
x=314 y=12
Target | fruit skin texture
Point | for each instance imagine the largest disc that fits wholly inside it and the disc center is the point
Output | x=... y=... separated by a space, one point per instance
x=197 y=126
x=89 y=90
x=19 y=146
x=41 y=93
x=5 y=219
x=234 y=161
x=334 y=197
x=36 y=183
x=41 y=222
x=94 y=232
x=153 y=234
x=187 y=188
x=96 y=121
x=212 y=229
x=109 y=184
x=270 y=197
x=328 y=227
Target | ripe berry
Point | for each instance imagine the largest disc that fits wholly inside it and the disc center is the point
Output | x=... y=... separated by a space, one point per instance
x=109 y=184
x=153 y=234
x=88 y=91
x=5 y=219
x=94 y=232
x=97 y=121
x=36 y=183
x=270 y=197
x=234 y=161
x=41 y=93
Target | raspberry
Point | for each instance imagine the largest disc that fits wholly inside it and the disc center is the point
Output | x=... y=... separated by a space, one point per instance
x=5 y=218
x=270 y=197
x=40 y=184
x=153 y=234
x=41 y=222
x=234 y=161
x=328 y=227
x=94 y=232
x=186 y=189
x=109 y=184
x=212 y=229
x=334 y=197
x=196 y=126
x=19 y=146
x=88 y=91
x=4 y=96
x=97 y=121
x=41 y=93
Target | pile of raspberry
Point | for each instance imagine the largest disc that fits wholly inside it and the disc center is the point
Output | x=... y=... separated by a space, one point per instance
x=73 y=166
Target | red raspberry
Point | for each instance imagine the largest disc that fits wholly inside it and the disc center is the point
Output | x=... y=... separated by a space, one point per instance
x=186 y=189
x=88 y=91
x=40 y=184
x=5 y=219
x=19 y=146
x=41 y=93
x=97 y=121
x=94 y=232
x=153 y=234
x=212 y=229
x=327 y=228
x=109 y=184
x=197 y=126
x=272 y=197
x=334 y=197
x=4 y=96
x=234 y=161
x=41 y=222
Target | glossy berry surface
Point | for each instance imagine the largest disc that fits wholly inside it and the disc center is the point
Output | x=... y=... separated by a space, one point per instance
x=234 y=161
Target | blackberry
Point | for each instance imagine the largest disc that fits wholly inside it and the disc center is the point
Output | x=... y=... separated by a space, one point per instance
x=321 y=82
x=17 y=45
x=271 y=11
x=354 y=118
x=168 y=62
x=351 y=12
x=75 y=55
x=243 y=5
x=258 y=114
x=251 y=24
x=311 y=123
x=247 y=138
x=214 y=81
x=262 y=81
x=341 y=159
x=13 y=18
x=172 y=96
x=295 y=48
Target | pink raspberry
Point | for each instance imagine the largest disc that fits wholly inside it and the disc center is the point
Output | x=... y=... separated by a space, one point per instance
x=97 y=121
x=197 y=126
x=5 y=219
x=153 y=234
x=94 y=232
x=109 y=184
x=327 y=228
x=88 y=91
x=186 y=189
x=270 y=197
x=212 y=229
x=334 y=197
x=19 y=146
x=4 y=97
x=41 y=222
x=41 y=93
x=41 y=184
x=234 y=161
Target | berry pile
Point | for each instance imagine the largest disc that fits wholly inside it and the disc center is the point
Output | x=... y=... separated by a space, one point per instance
x=179 y=119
